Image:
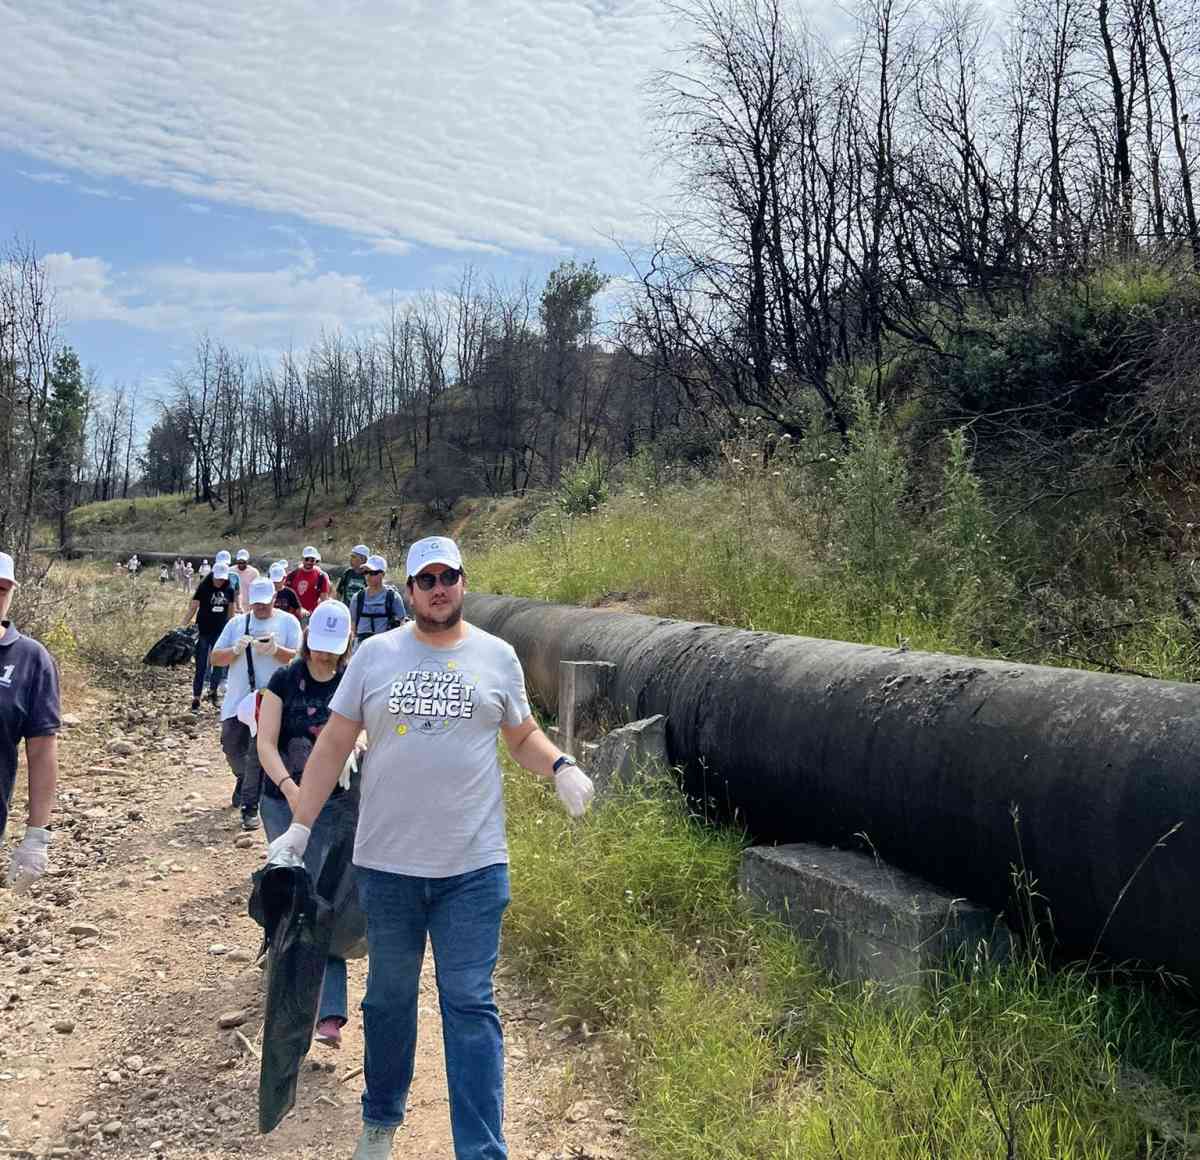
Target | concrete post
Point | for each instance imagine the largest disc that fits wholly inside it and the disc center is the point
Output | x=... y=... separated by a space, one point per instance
x=583 y=700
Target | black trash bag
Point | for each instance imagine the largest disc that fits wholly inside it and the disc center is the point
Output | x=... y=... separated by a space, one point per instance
x=174 y=648
x=299 y=922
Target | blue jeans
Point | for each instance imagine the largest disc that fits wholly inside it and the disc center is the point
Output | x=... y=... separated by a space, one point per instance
x=276 y=816
x=204 y=646
x=461 y=915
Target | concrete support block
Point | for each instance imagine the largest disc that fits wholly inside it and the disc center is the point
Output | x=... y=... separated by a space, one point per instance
x=583 y=701
x=629 y=752
x=869 y=920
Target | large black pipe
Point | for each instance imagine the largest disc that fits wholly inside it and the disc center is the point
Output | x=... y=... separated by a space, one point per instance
x=925 y=754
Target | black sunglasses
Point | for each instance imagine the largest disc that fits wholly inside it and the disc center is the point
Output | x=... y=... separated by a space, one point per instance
x=374 y=571
x=427 y=581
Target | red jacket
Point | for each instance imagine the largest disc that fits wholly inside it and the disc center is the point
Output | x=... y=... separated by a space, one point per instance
x=308 y=586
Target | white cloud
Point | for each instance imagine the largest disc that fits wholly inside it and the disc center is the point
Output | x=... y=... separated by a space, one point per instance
x=472 y=125
x=46 y=178
x=275 y=308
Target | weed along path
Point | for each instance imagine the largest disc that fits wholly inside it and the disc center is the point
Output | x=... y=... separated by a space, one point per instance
x=131 y=1000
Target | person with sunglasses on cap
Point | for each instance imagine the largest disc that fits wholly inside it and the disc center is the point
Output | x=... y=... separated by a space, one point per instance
x=285 y=599
x=245 y=574
x=295 y=708
x=378 y=607
x=29 y=712
x=254 y=646
x=309 y=582
x=430 y=851
x=353 y=580
x=211 y=606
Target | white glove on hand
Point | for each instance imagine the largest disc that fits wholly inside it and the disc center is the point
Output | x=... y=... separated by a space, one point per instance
x=243 y=641
x=265 y=648
x=349 y=769
x=288 y=849
x=30 y=859
x=575 y=790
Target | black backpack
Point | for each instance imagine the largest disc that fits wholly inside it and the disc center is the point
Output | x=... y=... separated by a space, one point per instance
x=389 y=609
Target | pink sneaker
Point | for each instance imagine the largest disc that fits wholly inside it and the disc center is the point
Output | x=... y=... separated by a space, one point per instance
x=329 y=1032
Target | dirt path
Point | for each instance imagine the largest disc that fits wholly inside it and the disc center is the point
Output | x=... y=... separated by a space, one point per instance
x=116 y=970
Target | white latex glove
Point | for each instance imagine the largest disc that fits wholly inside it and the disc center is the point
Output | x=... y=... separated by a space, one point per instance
x=575 y=790
x=265 y=648
x=288 y=849
x=349 y=769
x=29 y=859
x=243 y=641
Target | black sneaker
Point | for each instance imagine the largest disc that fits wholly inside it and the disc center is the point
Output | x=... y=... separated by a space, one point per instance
x=250 y=820
x=195 y=704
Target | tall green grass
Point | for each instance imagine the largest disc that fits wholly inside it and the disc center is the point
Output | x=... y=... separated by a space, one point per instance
x=734 y=1045
x=766 y=548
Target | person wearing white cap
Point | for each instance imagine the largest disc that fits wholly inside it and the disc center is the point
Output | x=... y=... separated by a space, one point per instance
x=309 y=582
x=353 y=580
x=295 y=708
x=253 y=646
x=430 y=851
x=285 y=598
x=29 y=712
x=246 y=574
x=378 y=607
x=211 y=607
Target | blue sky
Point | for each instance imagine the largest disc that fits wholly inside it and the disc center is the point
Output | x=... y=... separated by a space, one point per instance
x=260 y=172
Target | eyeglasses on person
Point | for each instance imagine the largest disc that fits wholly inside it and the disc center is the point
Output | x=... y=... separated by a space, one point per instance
x=426 y=581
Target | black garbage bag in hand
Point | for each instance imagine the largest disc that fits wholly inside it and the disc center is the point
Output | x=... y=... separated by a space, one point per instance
x=299 y=923
x=173 y=648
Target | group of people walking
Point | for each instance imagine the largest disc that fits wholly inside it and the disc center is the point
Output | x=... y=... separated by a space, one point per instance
x=355 y=707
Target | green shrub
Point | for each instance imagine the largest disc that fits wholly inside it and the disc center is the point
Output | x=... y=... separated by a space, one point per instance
x=584 y=488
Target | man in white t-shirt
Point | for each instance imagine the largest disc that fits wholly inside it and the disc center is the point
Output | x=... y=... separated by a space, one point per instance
x=430 y=850
x=253 y=644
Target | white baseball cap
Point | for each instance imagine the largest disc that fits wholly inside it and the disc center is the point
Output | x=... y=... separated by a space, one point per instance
x=220 y=570
x=282 y=564
x=329 y=627
x=247 y=709
x=6 y=568
x=360 y=550
x=277 y=571
x=310 y=551
x=223 y=557
x=243 y=554
x=433 y=550
x=376 y=564
x=262 y=591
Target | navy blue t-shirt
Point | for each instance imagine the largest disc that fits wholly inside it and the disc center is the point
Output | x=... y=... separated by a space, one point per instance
x=28 y=704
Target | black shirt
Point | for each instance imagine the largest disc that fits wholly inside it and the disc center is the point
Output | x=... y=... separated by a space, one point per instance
x=302 y=716
x=214 y=606
x=287 y=600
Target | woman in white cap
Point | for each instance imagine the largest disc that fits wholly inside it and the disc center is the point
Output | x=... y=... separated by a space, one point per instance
x=253 y=646
x=378 y=607
x=285 y=598
x=29 y=712
x=295 y=707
